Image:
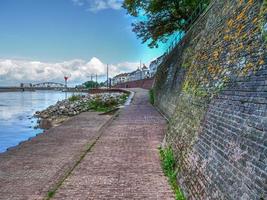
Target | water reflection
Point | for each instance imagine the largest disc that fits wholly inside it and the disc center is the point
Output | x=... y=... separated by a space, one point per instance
x=16 y=111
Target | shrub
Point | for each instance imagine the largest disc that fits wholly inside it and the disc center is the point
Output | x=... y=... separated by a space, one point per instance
x=74 y=98
x=105 y=105
x=170 y=170
x=152 y=96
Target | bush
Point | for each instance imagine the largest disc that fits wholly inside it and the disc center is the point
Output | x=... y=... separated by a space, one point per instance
x=105 y=105
x=123 y=98
x=74 y=98
x=152 y=96
x=169 y=169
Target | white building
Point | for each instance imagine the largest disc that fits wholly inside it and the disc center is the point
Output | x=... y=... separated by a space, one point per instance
x=154 y=65
x=120 y=78
x=138 y=74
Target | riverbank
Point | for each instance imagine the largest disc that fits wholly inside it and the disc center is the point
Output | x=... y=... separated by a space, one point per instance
x=56 y=114
x=91 y=156
x=15 y=89
x=16 y=114
x=31 y=169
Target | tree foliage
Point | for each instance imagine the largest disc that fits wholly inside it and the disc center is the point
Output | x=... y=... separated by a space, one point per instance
x=158 y=19
x=91 y=84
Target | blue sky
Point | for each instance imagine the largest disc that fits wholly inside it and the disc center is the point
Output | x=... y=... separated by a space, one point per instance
x=61 y=31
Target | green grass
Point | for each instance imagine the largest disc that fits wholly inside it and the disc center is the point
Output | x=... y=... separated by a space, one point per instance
x=99 y=105
x=50 y=194
x=74 y=98
x=152 y=96
x=170 y=170
x=123 y=98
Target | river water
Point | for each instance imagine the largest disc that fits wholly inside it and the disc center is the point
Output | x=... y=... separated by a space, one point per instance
x=16 y=114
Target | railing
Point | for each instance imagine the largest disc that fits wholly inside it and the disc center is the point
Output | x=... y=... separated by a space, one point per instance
x=188 y=24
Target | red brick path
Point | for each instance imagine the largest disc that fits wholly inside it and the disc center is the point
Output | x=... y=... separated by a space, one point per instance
x=29 y=170
x=124 y=163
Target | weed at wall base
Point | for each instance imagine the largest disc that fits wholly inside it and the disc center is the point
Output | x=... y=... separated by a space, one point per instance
x=170 y=171
x=151 y=96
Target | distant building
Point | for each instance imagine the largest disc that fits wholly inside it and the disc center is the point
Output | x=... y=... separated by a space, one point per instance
x=154 y=65
x=145 y=72
x=139 y=73
x=120 y=78
x=135 y=75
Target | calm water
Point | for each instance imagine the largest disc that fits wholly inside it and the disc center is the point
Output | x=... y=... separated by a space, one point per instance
x=16 y=111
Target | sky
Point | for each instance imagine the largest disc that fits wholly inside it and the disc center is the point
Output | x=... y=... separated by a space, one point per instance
x=43 y=40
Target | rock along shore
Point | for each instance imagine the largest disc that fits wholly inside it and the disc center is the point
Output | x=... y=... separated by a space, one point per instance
x=56 y=114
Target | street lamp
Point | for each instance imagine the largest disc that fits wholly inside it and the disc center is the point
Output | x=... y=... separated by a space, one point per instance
x=66 y=77
x=66 y=81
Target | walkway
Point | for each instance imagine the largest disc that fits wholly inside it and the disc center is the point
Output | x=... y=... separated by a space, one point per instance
x=29 y=170
x=124 y=163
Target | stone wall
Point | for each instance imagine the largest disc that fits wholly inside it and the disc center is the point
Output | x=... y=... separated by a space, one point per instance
x=213 y=88
x=144 y=83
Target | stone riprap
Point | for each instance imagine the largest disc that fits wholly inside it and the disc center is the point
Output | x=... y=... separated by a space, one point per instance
x=213 y=89
x=63 y=110
x=124 y=163
x=31 y=169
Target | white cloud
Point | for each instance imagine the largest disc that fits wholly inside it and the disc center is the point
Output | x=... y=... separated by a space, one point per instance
x=98 y=5
x=14 y=71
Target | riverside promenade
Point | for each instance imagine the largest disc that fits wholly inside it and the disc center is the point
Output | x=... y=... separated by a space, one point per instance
x=81 y=160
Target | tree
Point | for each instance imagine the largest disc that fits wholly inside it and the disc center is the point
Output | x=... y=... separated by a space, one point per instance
x=91 y=84
x=158 y=19
x=102 y=84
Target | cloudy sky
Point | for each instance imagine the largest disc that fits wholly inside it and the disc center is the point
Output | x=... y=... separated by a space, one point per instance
x=43 y=40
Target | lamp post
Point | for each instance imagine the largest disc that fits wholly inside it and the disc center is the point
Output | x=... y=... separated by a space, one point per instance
x=66 y=81
x=96 y=79
x=66 y=77
x=107 y=78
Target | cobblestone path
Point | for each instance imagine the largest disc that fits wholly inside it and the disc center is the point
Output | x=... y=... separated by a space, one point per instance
x=124 y=163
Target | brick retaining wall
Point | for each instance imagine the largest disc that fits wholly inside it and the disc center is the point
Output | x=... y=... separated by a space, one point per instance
x=213 y=89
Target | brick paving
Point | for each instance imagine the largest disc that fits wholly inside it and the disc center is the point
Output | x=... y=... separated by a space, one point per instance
x=29 y=170
x=124 y=163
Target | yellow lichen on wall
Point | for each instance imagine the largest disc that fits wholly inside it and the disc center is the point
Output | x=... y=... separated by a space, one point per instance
x=234 y=33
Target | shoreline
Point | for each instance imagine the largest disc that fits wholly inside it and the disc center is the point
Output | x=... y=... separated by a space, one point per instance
x=16 y=89
x=33 y=129
x=51 y=155
x=63 y=145
x=63 y=110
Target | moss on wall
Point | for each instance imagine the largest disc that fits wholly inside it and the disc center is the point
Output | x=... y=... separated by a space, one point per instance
x=263 y=20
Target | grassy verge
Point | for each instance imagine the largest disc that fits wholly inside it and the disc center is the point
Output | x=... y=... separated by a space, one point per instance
x=152 y=96
x=100 y=105
x=169 y=169
x=74 y=98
